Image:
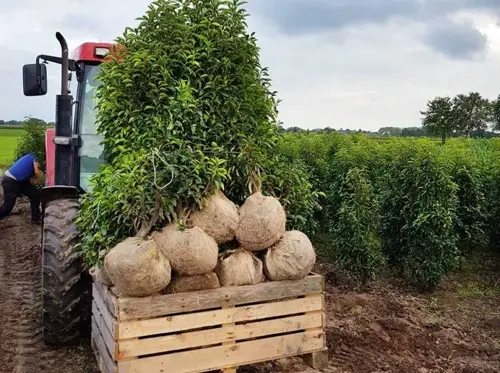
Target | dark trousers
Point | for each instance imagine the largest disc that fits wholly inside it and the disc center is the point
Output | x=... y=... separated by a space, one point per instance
x=12 y=189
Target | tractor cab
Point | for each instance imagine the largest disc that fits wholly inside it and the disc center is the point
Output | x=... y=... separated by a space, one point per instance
x=87 y=58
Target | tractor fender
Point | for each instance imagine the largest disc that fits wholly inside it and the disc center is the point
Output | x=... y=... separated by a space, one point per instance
x=52 y=193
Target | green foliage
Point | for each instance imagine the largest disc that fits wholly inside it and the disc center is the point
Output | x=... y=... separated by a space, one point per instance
x=465 y=114
x=418 y=213
x=493 y=206
x=32 y=140
x=439 y=118
x=356 y=226
x=289 y=182
x=472 y=113
x=471 y=216
x=185 y=108
x=495 y=113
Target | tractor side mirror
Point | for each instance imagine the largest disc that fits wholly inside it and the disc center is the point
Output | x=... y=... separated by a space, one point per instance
x=35 y=79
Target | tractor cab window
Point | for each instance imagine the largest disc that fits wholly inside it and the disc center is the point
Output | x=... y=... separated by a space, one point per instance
x=91 y=152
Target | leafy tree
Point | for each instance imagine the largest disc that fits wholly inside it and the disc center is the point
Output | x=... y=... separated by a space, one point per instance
x=185 y=108
x=472 y=112
x=32 y=140
x=390 y=131
x=439 y=118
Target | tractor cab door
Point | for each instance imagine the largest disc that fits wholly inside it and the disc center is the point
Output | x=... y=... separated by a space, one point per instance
x=90 y=154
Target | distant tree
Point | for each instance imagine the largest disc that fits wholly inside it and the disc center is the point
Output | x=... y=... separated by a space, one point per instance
x=495 y=113
x=439 y=118
x=294 y=129
x=413 y=132
x=473 y=113
x=390 y=131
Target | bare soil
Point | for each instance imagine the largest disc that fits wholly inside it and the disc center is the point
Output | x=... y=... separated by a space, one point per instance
x=381 y=328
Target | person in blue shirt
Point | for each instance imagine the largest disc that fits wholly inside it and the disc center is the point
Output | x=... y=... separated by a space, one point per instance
x=17 y=180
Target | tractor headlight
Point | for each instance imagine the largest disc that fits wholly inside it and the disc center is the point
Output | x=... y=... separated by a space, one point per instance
x=101 y=52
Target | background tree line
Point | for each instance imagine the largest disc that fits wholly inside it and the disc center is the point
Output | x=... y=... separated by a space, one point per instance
x=20 y=123
x=463 y=115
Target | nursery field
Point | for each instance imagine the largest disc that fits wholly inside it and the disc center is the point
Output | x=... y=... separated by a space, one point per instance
x=410 y=205
x=8 y=142
x=430 y=298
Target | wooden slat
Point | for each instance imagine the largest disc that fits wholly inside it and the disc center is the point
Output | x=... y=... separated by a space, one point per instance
x=100 y=361
x=107 y=317
x=109 y=339
x=136 y=308
x=170 y=324
x=220 y=335
x=101 y=348
x=221 y=356
x=109 y=299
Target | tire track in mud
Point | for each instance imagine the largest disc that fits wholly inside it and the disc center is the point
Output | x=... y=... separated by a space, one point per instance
x=22 y=349
x=20 y=296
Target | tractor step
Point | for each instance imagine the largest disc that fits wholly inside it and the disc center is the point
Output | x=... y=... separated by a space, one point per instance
x=212 y=330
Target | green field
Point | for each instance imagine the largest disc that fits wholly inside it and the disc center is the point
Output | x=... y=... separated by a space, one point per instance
x=8 y=142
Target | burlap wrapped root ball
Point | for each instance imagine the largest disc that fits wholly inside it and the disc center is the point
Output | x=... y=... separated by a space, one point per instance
x=291 y=258
x=219 y=218
x=137 y=268
x=262 y=222
x=101 y=276
x=184 y=284
x=238 y=268
x=190 y=251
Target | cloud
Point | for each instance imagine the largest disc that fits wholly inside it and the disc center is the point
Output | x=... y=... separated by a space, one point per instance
x=337 y=63
x=456 y=40
x=300 y=16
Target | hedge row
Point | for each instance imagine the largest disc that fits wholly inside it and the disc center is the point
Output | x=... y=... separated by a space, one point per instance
x=408 y=203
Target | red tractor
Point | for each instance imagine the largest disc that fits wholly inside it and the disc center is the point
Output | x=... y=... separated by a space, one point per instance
x=74 y=154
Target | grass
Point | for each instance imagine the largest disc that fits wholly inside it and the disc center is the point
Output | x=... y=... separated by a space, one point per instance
x=8 y=143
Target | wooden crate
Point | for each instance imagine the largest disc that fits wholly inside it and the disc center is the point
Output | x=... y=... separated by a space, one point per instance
x=210 y=330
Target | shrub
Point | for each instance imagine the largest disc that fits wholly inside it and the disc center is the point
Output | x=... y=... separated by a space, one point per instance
x=418 y=214
x=32 y=140
x=493 y=206
x=355 y=232
x=471 y=217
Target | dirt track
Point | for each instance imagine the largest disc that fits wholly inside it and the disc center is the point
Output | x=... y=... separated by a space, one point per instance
x=21 y=347
x=380 y=329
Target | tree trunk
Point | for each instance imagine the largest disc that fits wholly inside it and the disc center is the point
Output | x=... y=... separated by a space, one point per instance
x=443 y=138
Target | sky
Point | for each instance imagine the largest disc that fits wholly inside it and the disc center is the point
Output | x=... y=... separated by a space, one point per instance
x=359 y=64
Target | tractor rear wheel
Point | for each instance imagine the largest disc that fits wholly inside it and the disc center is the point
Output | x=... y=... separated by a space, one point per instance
x=63 y=285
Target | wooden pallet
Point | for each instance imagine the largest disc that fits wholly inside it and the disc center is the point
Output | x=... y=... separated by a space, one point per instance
x=210 y=330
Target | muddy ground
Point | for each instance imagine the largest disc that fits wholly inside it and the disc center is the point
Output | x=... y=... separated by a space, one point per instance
x=382 y=328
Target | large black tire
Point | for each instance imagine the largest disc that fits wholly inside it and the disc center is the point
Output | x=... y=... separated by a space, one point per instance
x=63 y=285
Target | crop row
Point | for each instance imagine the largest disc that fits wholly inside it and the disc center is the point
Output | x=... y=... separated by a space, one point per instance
x=409 y=204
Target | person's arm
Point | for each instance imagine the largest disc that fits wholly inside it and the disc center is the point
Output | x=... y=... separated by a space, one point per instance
x=37 y=168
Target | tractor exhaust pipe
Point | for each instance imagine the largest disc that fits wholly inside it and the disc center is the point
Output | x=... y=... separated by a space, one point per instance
x=64 y=64
x=64 y=142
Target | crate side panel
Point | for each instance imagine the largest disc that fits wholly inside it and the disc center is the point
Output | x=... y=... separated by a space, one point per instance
x=101 y=348
x=107 y=317
x=108 y=298
x=170 y=324
x=109 y=339
x=147 y=346
x=137 y=308
x=230 y=355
